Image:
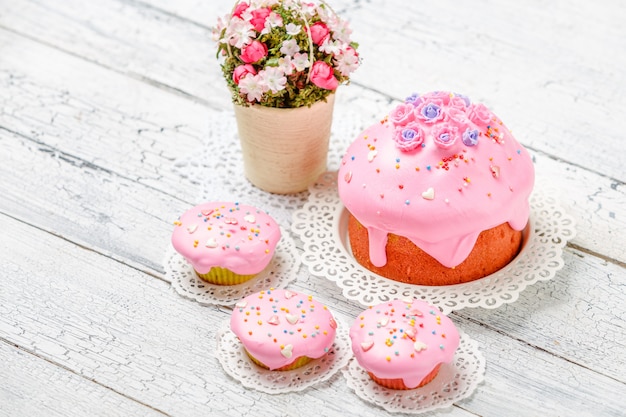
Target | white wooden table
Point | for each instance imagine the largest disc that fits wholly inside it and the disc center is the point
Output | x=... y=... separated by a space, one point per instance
x=99 y=99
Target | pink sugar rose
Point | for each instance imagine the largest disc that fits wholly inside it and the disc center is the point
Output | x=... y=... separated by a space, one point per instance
x=241 y=71
x=457 y=117
x=254 y=52
x=457 y=103
x=322 y=75
x=319 y=33
x=258 y=18
x=402 y=114
x=445 y=135
x=479 y=114
x=239 y=9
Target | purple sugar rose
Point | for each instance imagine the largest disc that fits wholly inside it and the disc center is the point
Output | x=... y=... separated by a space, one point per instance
x=470 y=137
x=414 y=99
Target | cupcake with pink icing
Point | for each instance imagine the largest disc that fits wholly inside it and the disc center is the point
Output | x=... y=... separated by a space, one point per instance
x=437 y=191
x=403 y=343
x=282 y=329
x=226 y=243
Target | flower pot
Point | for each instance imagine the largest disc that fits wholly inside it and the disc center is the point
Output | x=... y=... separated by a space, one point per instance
x=284 y=150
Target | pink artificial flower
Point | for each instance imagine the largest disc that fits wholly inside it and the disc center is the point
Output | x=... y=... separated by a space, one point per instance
x=241 y=71
x=322 y=75
x=254 y=52
x=239 y=9
x=402 y=114
x=258 y=18
x=319 y=33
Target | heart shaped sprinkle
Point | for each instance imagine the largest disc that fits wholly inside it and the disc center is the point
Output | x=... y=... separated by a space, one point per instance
x=241 y=304
x=287 y=351
x=429 y=194
x=348 y=177
x=192 y=228
x=207 y=213
x=419 y=346
x=383 y=322
x=250 y=218
x=371 y=155
x=288 y=294
x=291 y=318
x=333 y=323
x=367 y=345
x=274 y=320
x=410 y=333
x=211 y=243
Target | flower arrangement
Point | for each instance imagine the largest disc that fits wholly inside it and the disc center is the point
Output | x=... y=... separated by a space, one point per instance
x=284 y=53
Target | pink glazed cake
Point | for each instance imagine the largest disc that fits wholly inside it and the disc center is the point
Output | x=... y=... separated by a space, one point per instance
x=437 y=192
x=403 y=343
x=282 y=329
x=226 y=243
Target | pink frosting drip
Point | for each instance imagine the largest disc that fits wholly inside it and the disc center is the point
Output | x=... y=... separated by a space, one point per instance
x=403 y=339
x=278 y=326
x=468 y=174
x=237 y=237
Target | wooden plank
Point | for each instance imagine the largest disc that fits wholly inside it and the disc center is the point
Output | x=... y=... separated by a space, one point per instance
x=580 y=315
x=115 y=123
x=539 y=89
x=85 y=203
x=35 y=387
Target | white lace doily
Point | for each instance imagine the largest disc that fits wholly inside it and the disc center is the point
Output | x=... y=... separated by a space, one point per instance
x=218 y=166
x=281 y=270
x=237 y=364
x=322 y=226
x=454 y=382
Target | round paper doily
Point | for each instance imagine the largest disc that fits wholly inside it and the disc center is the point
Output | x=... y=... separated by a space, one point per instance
x=454 y=382
x=281 y=270
x=322 y=226
x=237 y=364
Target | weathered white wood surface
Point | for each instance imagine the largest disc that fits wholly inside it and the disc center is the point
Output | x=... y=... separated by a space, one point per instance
x=97 y=101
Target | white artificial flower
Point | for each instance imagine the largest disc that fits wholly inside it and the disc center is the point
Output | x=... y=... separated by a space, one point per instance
x=290 y=47
x=301 y=61
x=274 y=20
x=332 y=47
x=273 y=78
x=285 y=65
x=253 y=87
x=341 y=30
x=239 y=32
x=293 y=29
x=347 y=61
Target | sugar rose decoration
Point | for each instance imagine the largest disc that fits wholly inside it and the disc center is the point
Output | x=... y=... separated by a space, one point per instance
x=284 y=53
x=446 y=120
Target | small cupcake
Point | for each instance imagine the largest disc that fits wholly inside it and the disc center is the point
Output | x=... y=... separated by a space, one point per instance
x=283 y=330
x=402 y=344
x=226 y=243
